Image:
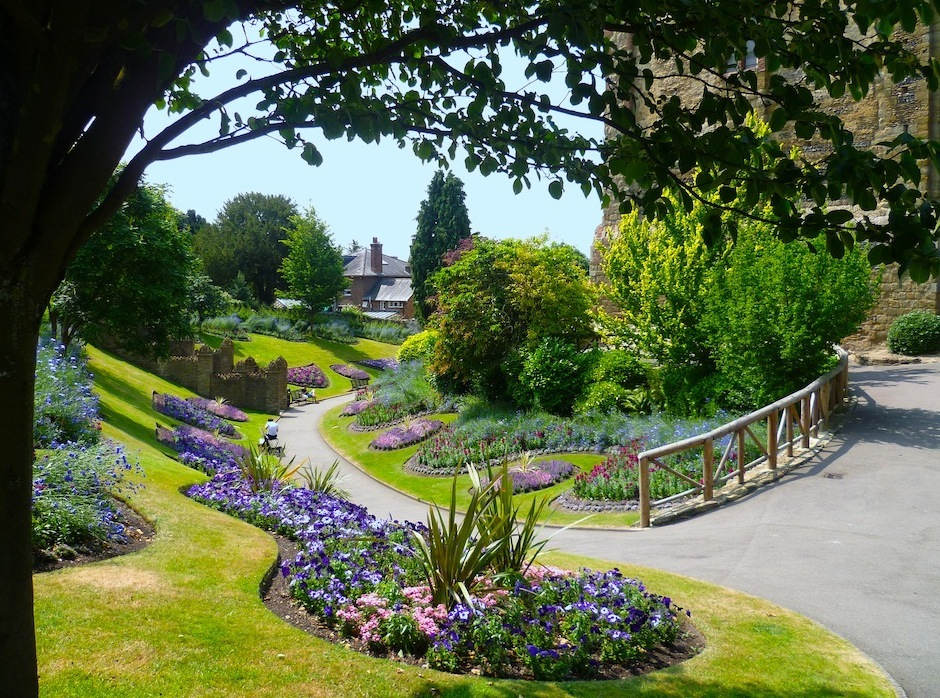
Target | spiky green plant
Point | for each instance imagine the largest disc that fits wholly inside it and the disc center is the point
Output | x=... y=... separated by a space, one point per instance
x=324 y=481
x=455 y=554
x=265 y=470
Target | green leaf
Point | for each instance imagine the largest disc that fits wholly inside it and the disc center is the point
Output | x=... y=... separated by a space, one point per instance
x=727 y=194
x=311 y=155
x=778 y=119
x=556 y=188
x=213 y=10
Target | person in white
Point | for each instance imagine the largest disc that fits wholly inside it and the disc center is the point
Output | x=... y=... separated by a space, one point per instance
x=270 y=429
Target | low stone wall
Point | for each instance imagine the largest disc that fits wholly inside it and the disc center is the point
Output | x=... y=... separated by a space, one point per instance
x=896 y=298
x=213 y=373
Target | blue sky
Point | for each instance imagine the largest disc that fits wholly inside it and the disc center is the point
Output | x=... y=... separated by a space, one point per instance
x=362 y=190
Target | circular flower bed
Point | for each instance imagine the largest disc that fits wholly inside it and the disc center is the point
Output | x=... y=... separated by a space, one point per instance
x=400 y=437
x=219 y=409
x=361 y=576
x=539 y=475
x=380 y=364
x=350 y=372
x=310 y=376
x=185 y=411
x=355 y=407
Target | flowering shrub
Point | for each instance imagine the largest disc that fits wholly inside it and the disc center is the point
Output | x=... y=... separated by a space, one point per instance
x=219 y=409
x=201 y=449
x=359 y=574
x=381 y=364
x=310 y=376
x=185 y=411
x=615 y=478
x=72 y=488
x=65 y=407
x=350 y=372
x=541 y=474
x=355 y=407
x=400 y=437
x=377 y=412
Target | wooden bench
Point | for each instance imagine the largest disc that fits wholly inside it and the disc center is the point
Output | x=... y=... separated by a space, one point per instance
x=358 y=383
x=299 y=397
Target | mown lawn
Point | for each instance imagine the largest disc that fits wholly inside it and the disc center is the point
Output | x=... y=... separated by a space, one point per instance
x=321 y=352
x=183 y=616
x=387 y=467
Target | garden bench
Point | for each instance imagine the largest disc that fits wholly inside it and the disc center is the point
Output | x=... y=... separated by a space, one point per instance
x=301 y=397
x=358 y=383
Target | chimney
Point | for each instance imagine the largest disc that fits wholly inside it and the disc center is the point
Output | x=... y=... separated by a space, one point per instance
x=376 y=256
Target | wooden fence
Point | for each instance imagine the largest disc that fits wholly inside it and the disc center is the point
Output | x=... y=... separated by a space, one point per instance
x=791 y=421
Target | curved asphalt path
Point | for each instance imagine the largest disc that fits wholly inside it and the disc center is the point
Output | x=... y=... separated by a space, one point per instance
x=852 y=539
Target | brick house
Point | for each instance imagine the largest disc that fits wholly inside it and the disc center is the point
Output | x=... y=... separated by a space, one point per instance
x=379 y=284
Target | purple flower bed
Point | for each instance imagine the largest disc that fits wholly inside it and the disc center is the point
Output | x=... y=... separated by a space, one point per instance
x=201 y=449
x=360 y=575
x=219 y=409
x=539 y=475
x=400 y=437
x=380 y=364
x=354 y=408
x=310 y=376
x=350 y=372
x=185 y=411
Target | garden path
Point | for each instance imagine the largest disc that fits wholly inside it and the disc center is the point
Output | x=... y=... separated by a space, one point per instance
x=852 y=539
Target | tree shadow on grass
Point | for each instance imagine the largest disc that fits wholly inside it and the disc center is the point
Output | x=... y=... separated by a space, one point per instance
x=684 y=686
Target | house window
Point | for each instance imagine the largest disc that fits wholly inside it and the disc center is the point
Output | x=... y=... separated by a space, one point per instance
x=347 y=291
x=750 y=61
x=365 y=304
x=394 y=304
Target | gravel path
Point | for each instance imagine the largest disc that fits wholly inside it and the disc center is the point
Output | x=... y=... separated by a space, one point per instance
x=852 y=539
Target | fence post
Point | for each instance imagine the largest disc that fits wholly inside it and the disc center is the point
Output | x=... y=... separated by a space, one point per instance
x=742 y=459
x=788 y=416
x=805 y=422
x=708 y=470
x=772 y=440
x=644 y=493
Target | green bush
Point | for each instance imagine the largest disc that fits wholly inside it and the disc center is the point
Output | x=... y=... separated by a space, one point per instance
x=915 y=333
x=743 y=322
x=608 y=397
x=551 y=377
x=418 y=347
x=620 y=367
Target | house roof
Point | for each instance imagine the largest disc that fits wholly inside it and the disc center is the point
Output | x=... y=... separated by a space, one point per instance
x=380 y=314
x=360 y=264
x=390 y=289
x=287 y=303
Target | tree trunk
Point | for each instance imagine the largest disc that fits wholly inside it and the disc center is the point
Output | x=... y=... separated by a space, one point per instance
x=20 y=313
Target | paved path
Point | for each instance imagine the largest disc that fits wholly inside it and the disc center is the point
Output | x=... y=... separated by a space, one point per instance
x=852 y=539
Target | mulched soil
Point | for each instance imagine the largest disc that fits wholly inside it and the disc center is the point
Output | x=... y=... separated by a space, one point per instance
x=139 y=531
x=276 y=596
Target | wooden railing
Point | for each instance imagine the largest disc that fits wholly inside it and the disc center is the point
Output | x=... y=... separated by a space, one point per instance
x=791 y=422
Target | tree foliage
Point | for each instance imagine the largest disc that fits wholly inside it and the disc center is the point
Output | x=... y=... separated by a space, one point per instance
x=313 y=267
x=247 y=237
x=499 y=298
x=443 y=222
x=741 y=324
x=131 y=282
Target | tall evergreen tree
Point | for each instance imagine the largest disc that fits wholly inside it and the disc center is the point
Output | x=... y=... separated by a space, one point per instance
x=442 y=223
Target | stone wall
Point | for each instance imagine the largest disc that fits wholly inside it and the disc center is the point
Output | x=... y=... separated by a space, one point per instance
x=888 y=110
x=213 y=373
x=896 y=298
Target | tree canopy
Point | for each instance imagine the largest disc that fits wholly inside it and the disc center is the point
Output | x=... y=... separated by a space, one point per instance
x=131 y=282
x=500 y=298
x=247 y=237
x=443 y=222
x=313 y=267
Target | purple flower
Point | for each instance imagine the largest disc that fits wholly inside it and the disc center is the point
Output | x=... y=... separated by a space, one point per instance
x=400 y=437
x=381 y=364
x=192 y=414
x=350 y=372
x=219 y=409
x=311 y=376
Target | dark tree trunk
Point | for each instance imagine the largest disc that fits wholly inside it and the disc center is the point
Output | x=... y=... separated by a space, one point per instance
x=20 y=314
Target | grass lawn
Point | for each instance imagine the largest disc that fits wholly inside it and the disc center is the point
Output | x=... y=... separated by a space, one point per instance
x=317 y=351
x=183 y=616
x=387 y=467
